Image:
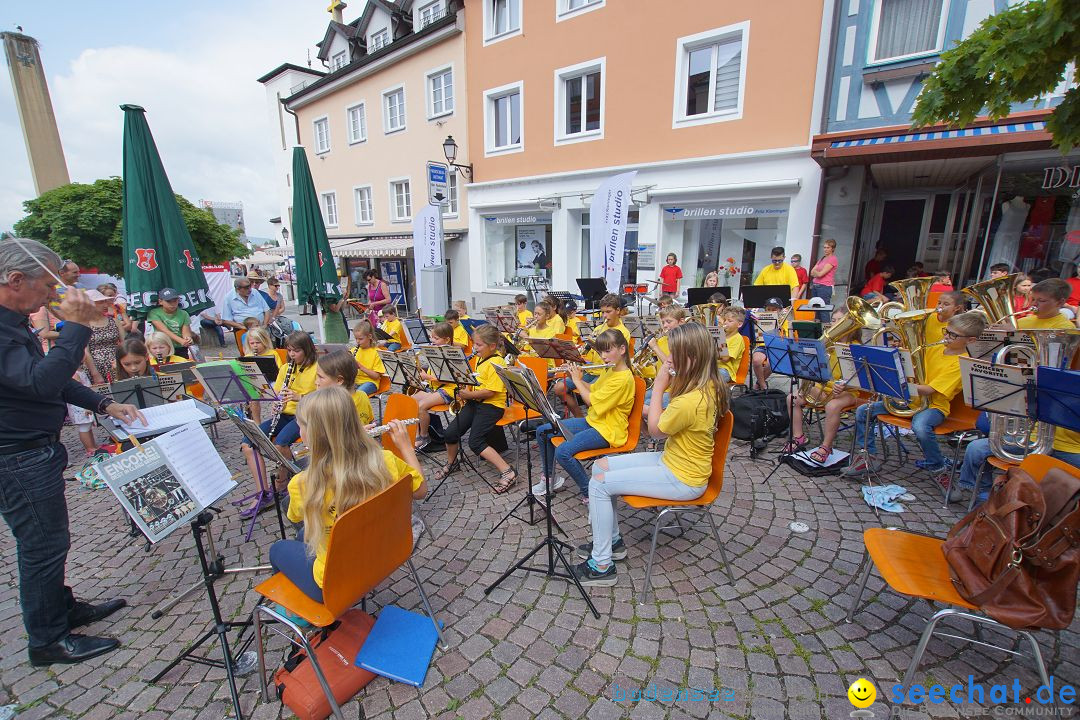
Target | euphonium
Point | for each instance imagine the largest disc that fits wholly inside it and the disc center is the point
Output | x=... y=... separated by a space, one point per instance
x=913 y=293
x=860 y=315
x=995 y=298
x=707 y=314
x=1053 y=348
x=910 y=327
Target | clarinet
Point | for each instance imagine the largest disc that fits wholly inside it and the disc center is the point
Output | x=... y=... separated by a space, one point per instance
x=279 y=405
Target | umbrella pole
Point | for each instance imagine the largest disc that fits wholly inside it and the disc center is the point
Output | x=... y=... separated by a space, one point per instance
x=320 y=330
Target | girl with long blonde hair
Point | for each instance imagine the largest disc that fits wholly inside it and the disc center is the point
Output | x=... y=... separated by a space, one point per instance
x=699 y=399
x=347 y=468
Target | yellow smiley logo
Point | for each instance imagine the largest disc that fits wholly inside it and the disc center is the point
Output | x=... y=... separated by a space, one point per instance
x=862 y=693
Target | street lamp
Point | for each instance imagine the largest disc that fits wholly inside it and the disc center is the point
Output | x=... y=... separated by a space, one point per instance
x=449 y=148
x=285 y=234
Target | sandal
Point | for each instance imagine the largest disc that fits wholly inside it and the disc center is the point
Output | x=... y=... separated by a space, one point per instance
x=506 y=481
x=821 y=455
x=796 y=444
x=421 y=441
x=443 y=473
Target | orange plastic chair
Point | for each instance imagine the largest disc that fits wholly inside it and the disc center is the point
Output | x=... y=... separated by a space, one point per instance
x=744 y=365
x=238 y=336
x=931 y=299
x=380 y=531
x=399 y=407
x=914 y=565
x=539 y=366
x=380 y=391
x=802 y=315
x=633 y=434
x=282 y=355
x=702 y=505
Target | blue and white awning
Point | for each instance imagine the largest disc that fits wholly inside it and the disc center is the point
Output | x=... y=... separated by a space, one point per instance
x=942 y=135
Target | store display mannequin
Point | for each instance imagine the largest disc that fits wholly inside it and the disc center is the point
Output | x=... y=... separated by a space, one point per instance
x=1006 y=242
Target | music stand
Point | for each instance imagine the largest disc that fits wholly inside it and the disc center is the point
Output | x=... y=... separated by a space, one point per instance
x=268 y=365
x=881 y=371
x=757 y=296
x=142 y=392
x=555 y=349
x=231 y=382
x=798 y=360
x=471 y=324
x=522 y=386
x=635 y=326
x=1055 y=397
x=562 y=296
x=593 y=290
x=418 y=332
x=447 y=363
x=996 y=388
x=701 y=295
x=502 y=317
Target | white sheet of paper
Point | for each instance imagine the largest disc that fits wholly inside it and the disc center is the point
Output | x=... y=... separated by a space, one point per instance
x=163 y=417
x=834 y=457
x=189 y=450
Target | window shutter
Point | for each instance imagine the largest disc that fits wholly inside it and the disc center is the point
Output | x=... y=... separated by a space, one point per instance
x=728 y=66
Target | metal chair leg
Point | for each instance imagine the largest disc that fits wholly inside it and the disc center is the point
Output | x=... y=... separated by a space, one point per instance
x=261 y=653
x=652 y=554
x=927 y=633
x=427 y=606
x=335 y=709
x=868 y=565
x=723 y=554
x=1036 y=655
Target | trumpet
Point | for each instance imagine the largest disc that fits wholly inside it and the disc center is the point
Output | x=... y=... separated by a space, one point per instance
x=381 y=429
x=584 y=368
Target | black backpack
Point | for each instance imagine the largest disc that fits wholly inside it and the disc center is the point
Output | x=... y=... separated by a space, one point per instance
x=759 y=414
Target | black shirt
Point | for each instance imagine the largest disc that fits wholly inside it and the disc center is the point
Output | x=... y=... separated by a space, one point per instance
x=34 y=387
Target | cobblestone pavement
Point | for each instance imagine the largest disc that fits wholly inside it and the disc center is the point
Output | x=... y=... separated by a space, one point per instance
x=774 y=644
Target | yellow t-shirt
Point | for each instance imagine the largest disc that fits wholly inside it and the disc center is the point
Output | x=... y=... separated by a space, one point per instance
x=490 y=380
x=369 y=358
x=934 y=329
x=461 y=336
x=689 y=425
x=594 y=357
x=557 y=323
x=736 y=346
x=611 y=398
x=524 y=316
x=301 y=383
x=942 y=374
x=169 y=360
x=399 y=469
x=394 y=329
x=363 y=407
x=1034 y=322
x=771 y=276
x=572 y=325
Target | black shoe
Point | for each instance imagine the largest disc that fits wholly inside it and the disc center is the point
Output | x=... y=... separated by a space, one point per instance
x=84 y=613
x=588 y=575
x=618 y=550
x=72 y=649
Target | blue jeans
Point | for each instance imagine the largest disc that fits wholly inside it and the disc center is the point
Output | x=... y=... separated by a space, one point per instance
x=977 y=453
x=585 y=437
x=291 y=558
x=286 y=433
x=368 y=387
x=664 y=401
x=922 y=424
x=393 y=347
x=634 y=474
x=33 y=505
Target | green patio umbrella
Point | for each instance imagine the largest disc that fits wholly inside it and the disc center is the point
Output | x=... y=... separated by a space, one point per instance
x=316 y=275
x=158 y=250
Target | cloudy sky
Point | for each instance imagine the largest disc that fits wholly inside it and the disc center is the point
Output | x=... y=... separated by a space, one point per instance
x=191 y=64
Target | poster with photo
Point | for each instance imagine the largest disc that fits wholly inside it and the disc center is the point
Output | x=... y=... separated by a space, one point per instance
x=532 y=256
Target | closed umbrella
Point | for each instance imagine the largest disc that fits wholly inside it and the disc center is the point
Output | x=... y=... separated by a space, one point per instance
x=316 y=275
x=158 y=251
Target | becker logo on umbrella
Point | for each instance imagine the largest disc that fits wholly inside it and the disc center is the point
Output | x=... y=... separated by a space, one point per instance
x=321 y=261
x=189 y=260
x=146 y=258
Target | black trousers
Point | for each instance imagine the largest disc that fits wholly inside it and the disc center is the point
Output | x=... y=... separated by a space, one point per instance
x=479 y=419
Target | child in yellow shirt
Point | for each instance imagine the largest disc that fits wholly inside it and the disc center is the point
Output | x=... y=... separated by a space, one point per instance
x=461 y=335
x=732 y=319
x=338 y=369
x=522 y=310
x=392 y=327
x=611 y=308
x=257 y=343
x=440 y=393
x=367 y=357
x=162 y=351
x=670 y=317
x=1048 y=298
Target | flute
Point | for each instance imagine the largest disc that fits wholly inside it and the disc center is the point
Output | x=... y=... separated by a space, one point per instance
x=584 y=368
x=380 y=429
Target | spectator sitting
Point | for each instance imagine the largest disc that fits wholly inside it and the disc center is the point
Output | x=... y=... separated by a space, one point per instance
x=242 y=304
x=874 y=290
x=169 y=319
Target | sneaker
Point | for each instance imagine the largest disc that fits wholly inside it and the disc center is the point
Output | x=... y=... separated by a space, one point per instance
x=944 y=479
x=937 y=469
x=539 y=488
x=618 y=550
x=933 y=466
x=588 y=574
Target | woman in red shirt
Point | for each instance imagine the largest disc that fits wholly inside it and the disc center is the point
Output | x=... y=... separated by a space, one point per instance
x=670 y=275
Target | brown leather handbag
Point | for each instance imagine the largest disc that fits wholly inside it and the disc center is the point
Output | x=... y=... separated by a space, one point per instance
x=1017 y=556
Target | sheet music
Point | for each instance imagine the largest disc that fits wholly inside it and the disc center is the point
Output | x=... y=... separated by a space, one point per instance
x=847 y=366
x=996 y=388
x=164 y=417
x=191 y=453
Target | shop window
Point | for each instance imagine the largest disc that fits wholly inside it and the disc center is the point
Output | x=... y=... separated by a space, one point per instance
x=631 y=261
x=356 y=122
x=400 y=200
x=378 y=40
x=503 y=119
x=329 y=203
x=440 y=93
x=322 y=135
x=710 y=75
x=902 y=29
x=515 y=248
x=579 y=102
x=502 y=19
x=394 y=110
x=365 y=211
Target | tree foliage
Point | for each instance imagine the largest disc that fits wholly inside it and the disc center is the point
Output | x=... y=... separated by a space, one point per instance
x=1014 y=56
x=83 y=223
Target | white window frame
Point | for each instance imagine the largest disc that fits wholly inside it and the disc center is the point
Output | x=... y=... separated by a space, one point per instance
x=683 y=47
x=360 y=221
x=319 y=149
x=323 y=197
x=489 y=118
x=362 y=106
x=569 y=73
x=430 y=91
x=875 y=25
x=419 y=13
x=394 y=217
x=342 y=56
x=453 y=195
x=563 y=11
x=378 y=33
x=489 y=23
x=387 y=130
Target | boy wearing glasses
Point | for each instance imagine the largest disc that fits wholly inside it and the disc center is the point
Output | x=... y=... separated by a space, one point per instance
x=942 y=364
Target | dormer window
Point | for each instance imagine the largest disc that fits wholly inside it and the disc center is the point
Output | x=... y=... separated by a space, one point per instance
x=429 y=13
x=338 y=60
x=378 y=40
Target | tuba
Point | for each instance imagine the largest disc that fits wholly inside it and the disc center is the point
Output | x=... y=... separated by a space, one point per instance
x=995 y=298
x=910 y=327
x=708 y=314
x=1053 y=348
x=860 y=315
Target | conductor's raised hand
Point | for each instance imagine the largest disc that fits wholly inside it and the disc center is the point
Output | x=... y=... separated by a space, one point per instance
x=77 y=307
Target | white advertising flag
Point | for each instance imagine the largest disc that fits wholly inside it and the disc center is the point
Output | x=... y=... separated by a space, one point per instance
x=607 y=228
x=427 y=241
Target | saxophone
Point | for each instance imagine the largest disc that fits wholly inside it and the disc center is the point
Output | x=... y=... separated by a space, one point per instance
x=279 y=405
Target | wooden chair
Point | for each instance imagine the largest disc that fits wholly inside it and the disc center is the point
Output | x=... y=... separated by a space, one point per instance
x=379 y=531
x=914 y=565
x=960 y=425
x=702 y=505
